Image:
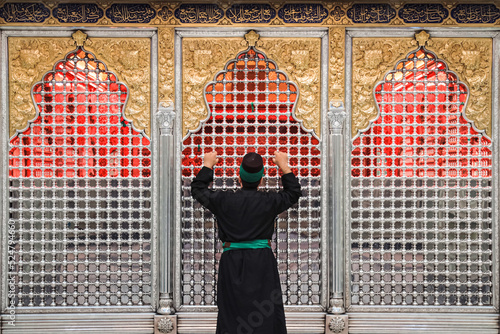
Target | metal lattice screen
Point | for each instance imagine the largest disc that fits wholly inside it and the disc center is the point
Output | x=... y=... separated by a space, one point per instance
x=251 y=110
x=421 y=194
x=80 y=193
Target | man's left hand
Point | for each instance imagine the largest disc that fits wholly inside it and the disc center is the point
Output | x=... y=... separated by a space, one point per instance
x=210 y=159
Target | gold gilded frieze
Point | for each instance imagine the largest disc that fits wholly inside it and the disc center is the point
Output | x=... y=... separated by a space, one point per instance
x=202 y=58
x=300 y=59
x=372 y=58
x=470 y=59
x=29 y=59
x=129 y=59
x=263 y=13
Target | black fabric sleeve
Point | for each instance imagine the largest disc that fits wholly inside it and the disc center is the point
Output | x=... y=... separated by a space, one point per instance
x=290 y=194
x=200 y=191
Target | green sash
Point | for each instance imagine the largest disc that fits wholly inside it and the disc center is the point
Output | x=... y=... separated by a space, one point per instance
x=253 y=244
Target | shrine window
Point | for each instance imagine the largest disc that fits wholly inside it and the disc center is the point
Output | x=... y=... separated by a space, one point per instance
x=421 y=194
x=251 y=109
x=80 y=193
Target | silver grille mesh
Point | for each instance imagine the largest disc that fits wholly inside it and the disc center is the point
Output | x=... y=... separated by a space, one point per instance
x=80 y=193
x=421 y=194
x=251 y=104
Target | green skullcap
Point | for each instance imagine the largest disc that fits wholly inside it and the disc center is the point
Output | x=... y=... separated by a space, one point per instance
x=252 y=167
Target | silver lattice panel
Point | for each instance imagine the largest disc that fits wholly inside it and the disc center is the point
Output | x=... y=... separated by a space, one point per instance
x=421 y=194
x=80 y=193
x=251 y=105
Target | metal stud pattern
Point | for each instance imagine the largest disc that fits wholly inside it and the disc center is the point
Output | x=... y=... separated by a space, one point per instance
x=421 y=194
x=251 y=110
x=80 y=193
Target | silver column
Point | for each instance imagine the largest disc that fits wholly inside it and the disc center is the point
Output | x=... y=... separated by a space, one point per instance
x=336 y=116
x=165 y=118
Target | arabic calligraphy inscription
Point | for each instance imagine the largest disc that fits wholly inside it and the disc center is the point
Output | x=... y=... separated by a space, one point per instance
x=423 y=13
x=78 y=13
x=24 y=13
x=199 y=13
x=250 y=13
x=480 y=13
x=301 y=13
x=371 y=13
x=130 y=13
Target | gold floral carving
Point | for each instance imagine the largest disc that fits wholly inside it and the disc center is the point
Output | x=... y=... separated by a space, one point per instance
x=337 y=64
x=202 y=58
x=79 y=37
x=372 y=58
x=252 y=37
x=166 y=62
x=300 y=59
x=129 y=59
x=470 y=59
x=29 y=60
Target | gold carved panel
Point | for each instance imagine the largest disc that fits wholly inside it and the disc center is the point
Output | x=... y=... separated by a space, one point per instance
x=471 y=60
x=336 y=64
x=166 y=63
x=372 y=59
x=299 y=58
x=29 y=59
x=202 y=58
x=130 y=60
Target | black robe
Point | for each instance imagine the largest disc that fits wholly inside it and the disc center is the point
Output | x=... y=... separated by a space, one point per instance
x=249 y=294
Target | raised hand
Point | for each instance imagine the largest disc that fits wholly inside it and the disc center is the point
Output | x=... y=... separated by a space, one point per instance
x=281 y=159
x=210 y=159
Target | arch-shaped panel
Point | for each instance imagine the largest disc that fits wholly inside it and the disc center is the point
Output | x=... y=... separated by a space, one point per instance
x=251 y=105
x=80 y=193
x=421 y=194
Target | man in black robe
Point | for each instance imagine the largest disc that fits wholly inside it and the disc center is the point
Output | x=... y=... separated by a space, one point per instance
x=249 y=294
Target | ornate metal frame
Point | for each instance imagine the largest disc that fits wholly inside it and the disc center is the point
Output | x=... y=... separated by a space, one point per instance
x=398 y=33
x=4 y=104
x=221 y=33
x=166 y=65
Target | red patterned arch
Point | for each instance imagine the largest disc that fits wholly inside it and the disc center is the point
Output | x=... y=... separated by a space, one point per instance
x=251 y=104
x=421 y=129
x=421 y=194
x=80 y=193
x=80 y=129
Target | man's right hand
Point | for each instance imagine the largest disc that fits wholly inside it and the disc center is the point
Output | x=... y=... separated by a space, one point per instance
x=281 y=159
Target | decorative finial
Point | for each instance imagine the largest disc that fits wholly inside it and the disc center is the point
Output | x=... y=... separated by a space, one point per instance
x=165 y=118
x=79 y=37
x=337 y=116
x=422 y=38
x=252 y=37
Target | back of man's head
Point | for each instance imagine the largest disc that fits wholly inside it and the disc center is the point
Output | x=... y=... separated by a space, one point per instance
x=251 y=170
